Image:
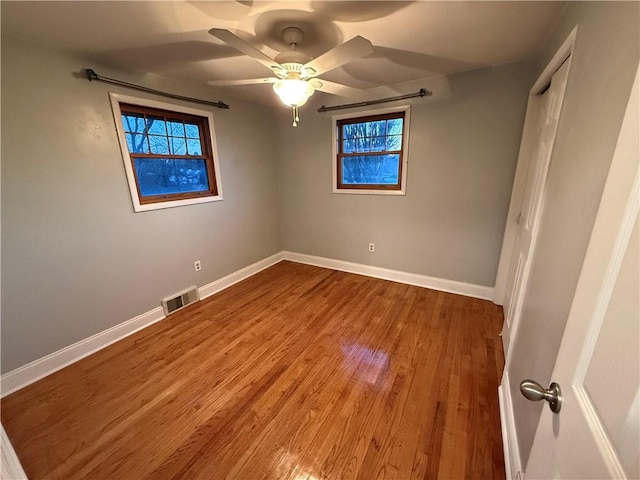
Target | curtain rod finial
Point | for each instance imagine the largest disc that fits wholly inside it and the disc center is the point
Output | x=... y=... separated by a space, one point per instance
x=91 y=75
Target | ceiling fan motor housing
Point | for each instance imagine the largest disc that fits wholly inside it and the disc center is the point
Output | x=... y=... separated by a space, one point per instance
x=292 y=60
x=292 y=56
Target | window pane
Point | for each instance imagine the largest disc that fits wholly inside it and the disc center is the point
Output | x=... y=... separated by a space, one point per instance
x=192 y=130
x=371 y=169
x=194 y=146
x=363 y=144
x=166 y=176
x=348 y=131
x=378 y=144
x=361 y=129
x=378 y=128
x=394 y=142
x=348 y=146
x=157 y=126
x=176 y=129
x=178 y=146
x=137 y=143
x=133 y=123
x=159 y=144
x=394 y=126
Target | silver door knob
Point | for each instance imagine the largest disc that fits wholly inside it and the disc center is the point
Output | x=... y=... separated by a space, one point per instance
x=535 y=392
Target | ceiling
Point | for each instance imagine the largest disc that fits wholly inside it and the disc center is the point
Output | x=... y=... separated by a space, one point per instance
x=412 y=40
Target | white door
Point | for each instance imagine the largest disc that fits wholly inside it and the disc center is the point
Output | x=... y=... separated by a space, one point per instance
x=529 y=217
x=597 y=432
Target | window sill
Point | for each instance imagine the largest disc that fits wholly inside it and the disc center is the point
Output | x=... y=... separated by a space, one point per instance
x=360 y=191
x=137 y=207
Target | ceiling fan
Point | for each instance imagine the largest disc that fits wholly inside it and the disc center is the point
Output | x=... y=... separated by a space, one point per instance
x=295 y=73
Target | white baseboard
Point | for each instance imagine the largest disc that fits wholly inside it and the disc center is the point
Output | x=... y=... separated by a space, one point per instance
x=10 y=466
x=40 y=368
x=239 y=275
x=451 y=286
x=34 y=371
x=512 y=462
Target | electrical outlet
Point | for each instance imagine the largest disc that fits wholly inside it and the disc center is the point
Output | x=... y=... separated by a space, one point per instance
x=197 y=266
x=372 y=247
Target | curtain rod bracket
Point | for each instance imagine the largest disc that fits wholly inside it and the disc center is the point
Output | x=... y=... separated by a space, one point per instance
x=422 y=93
x=92 y=75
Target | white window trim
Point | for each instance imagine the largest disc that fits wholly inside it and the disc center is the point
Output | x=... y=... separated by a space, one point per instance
x=116 y=99
x=405 y=149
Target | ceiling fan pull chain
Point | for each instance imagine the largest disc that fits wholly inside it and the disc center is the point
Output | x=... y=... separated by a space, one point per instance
x=295 y=115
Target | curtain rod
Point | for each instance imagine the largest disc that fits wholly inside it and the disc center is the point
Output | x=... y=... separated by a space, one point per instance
x=92 y=75
x=421 y=93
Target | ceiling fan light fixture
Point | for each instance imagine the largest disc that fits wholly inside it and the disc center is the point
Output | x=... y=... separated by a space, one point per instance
x=293 y=92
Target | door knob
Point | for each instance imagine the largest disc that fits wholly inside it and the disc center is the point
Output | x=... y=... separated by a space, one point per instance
x=535 y=392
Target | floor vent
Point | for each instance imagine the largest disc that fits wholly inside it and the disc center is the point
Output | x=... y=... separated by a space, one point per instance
x=180 y=300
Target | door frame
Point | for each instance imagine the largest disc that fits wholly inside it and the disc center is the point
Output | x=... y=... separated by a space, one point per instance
x=513 y=463
x=528 y=145
x=11 y=466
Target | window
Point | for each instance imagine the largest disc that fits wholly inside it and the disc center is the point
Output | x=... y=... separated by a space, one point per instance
x=370 y=152
x=168 y=152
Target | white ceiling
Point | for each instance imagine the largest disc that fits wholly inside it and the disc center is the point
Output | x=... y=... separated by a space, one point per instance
x=412 y=40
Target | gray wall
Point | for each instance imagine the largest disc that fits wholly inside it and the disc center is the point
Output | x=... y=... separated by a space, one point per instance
x=462 y=156
x=75 y=258
x=602 y=72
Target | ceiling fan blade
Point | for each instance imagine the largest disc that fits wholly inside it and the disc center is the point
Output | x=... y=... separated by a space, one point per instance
x=248 y=81
x=337 y=89
x=239 y=44
x=350 y=50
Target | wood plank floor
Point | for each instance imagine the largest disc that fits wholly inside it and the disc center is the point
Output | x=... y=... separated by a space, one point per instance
x=296 y=373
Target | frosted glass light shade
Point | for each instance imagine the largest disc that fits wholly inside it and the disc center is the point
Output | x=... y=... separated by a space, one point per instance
x=292 y=92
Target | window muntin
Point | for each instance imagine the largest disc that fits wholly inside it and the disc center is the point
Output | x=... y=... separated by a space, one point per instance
x=370 y=152
x=170 y=154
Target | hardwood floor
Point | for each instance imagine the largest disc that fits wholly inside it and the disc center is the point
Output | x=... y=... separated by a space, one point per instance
x=296 y=373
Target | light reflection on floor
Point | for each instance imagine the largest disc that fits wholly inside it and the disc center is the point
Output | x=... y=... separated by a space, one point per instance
x=292 y=467
x=363 y=363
